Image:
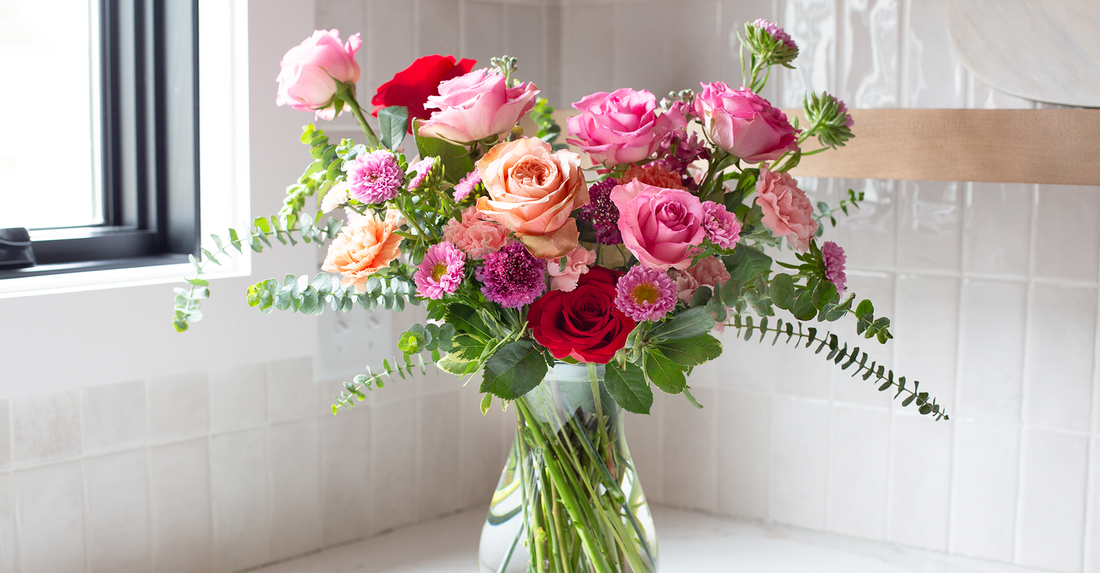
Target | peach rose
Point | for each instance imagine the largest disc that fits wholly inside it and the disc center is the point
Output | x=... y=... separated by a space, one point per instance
x=364 y=246
x=532 y=190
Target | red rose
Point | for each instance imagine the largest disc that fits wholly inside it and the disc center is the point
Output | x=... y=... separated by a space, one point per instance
x=412 y=86
x=583 y=323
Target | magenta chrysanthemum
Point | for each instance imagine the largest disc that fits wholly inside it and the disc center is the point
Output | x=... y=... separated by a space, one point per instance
x=603 y=213
x=720 y=225
x=645 y=293
x=511 y=276
x=441 y=271
x=466 y=185
x=832 y=255
x=421 y=168
x=776 y=32
x=375 y=177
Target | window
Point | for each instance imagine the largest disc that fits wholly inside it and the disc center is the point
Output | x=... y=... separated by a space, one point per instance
x=131 y=164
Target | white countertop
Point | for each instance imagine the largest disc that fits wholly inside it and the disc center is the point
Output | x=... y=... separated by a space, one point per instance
x=688 y=542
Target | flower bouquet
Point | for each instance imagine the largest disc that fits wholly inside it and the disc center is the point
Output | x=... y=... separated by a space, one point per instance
x=572 y=282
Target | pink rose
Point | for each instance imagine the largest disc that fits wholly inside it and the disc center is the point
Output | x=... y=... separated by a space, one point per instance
x=312 y=70
x=787 y=211
x=576 y=264
x=620 y=127
x=744 y=123
x=660 y=226
x=475 y=234
x=477 y=105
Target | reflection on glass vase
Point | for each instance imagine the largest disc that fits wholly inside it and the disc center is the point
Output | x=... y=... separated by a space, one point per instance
x=568 y=499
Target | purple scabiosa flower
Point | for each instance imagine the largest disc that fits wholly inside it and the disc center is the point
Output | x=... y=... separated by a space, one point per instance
x=833 y=257
x=421 y=168
x=603 y=213
x=375 y=177
x=688 y=149
x=720 y=225
x=441 y=271
x=512 y=276
x=645 y=293
x=776 y=32
x=466 y=185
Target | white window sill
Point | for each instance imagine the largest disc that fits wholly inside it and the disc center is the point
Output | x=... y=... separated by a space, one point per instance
x=688 y=542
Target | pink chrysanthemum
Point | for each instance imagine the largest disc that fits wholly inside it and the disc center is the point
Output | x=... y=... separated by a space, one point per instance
x=441 y=271
x=421 y=168
x=511 y=276
x=375 y=177
x=776 y=32
x=720 y=225
x=603 y=213
x=832 y=255
x=466 y=185
x=645 y=294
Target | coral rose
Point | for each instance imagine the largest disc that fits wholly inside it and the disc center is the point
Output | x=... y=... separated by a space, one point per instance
x=311 y=71
x=654 y=175
x=620 y=127
x=660 y=226
x=531 y=192
x=477 y=105
x=364 y=246
x=744 y=123
x=787 y=211
x=584 y=323
x=412 y=86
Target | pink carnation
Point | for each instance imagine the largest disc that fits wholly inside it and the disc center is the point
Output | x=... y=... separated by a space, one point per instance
x=709 y=272
x=645 y=294
x=833 y=257
x=441 y=271
x=720 y=225
x=577 y=263
x=476 y=234
x=787 y=211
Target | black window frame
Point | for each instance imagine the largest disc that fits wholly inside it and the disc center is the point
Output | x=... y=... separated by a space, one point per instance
x=149 y=96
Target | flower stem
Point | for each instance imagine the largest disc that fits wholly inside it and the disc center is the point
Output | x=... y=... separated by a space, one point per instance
x=349 y=99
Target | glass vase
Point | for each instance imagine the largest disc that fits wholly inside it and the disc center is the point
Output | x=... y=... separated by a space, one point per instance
x=568 y=500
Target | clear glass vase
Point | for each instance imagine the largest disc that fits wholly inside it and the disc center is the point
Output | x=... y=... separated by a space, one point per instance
x=568 y=500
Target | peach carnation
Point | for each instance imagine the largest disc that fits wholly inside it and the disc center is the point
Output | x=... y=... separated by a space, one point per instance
x=476 y=234
x=365 y=245
x=654 y=175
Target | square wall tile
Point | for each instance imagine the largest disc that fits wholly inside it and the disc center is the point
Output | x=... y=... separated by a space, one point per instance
x=588 y=51
x=114 y=416
x=930 y=217
x=746 y=365
x=927 y=327
x=239 y=499
x=291 y=393
x=997 y=228
x=983 y=510
x=689 y=450
x=393 y=484
x=481 y=459
x=437 y=458
x=991 y=349
x=868 y=59
x=345 y=476
x=692 y=43
x=45 y=426
x=179 y=406
x=920 y=482
x=179 y=486
x=800 y=462
x=238 y=397
x=7 y=525
x=812 y=24
x=933 y=77
x=1092 y=520
x=525 y=39
x=641 y=38
x=1067 y=234
x=390 y=41
x=50 y=518
x=294 y=475
x=858 y=465
x=1053 y=480
x=869 y=233
x=744 y=453
x=118 y=513
x=483 y=30
x=1058 y=375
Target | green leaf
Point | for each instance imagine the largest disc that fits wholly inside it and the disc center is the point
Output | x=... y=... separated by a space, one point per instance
x=782 y=291
x=701 y=296
x=629 y=388
x=691 y=351
x=514 y=370
x=393 y=122
x=486 y=401
x=803 y=308
x=691 y=399
x=865 y=307
x=824 y=293
x=687 y=324
x=454 y=365
x=456 y=161
x=663 y=372
x=746 y=263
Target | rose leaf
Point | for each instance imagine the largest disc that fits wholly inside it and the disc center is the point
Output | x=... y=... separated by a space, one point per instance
x=629 y=388
x=691 y=351
x=514 y=370
x=663 y=372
